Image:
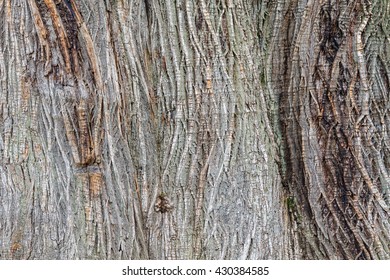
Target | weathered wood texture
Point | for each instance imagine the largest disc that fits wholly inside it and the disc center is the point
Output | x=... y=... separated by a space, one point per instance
x=194 y=129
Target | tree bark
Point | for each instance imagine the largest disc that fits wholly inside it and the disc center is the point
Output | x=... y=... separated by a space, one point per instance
x=333 y=115
x=194 y=129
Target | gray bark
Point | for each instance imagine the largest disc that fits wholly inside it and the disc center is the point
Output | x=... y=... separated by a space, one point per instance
x=194 y=129
x=334 y=100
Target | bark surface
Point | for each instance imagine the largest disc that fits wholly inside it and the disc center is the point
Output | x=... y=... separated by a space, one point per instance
x=194 y=129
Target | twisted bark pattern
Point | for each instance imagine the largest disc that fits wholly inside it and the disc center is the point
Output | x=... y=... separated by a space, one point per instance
x=194 y=129
x=333 y=112
x=107 y=106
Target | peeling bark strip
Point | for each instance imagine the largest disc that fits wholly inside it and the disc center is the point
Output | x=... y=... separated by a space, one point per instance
x=194 y=129
x=61 y=33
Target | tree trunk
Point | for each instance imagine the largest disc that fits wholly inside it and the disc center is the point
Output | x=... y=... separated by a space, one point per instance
x=334 y=101
x=194 y=129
